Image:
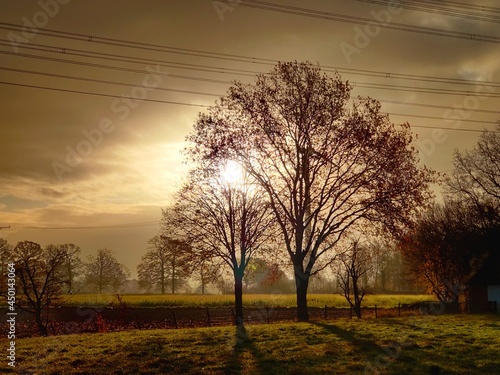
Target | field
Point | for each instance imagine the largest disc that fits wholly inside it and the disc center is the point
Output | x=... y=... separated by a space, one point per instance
x=458 y=344
x=249 y=300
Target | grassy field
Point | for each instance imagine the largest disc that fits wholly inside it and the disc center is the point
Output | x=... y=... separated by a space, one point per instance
x=461 y=344
x=249 y=300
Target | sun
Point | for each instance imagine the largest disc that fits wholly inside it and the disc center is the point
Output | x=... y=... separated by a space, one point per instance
x=232 y=173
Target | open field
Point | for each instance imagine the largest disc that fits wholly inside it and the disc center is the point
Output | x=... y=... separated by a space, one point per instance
x=249 y=300
x=459 y=344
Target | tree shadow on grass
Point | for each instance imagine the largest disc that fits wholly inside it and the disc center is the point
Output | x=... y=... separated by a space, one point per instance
x=393 y=358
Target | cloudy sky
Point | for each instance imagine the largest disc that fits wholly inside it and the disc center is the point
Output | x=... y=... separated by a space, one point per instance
x=98 y=96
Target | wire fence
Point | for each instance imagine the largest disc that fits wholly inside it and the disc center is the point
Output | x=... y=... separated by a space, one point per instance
x=67 y=320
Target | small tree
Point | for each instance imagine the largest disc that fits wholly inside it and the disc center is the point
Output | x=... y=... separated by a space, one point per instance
x=5 y=257
x=104 y=271
x=164 y=264
x=354 y=264
x=41 y=278
x=206 y=272
x=225 y=220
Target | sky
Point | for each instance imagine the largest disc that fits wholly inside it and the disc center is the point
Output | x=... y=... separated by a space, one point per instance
x=97 y=97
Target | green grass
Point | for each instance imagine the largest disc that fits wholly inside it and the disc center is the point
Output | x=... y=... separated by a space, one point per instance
x=459 y=344
x=249 y=300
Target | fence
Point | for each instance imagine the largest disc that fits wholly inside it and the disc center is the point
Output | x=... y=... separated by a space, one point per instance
x=66 y=320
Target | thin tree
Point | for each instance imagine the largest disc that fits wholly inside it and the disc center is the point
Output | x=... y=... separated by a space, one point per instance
x=41 y=277
x=6 y=256
x=324 y=164
x=164 y=264
x=104 y=271
x=354 y=265
x=225 y=220
x=72 y=263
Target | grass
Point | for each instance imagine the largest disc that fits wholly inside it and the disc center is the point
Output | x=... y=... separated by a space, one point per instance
x=249 y=300
x=461 y=344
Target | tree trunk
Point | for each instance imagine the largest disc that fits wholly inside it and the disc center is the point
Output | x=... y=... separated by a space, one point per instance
x=238 y=297
x=301 y=284
x=39 y=321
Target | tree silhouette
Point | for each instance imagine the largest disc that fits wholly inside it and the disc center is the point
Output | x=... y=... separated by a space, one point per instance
x=325 y=165
x=222 y=220
x=104 y=271
x=164 y=264
x=41 y=277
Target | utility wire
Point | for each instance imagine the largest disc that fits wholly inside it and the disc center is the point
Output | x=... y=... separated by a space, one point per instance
x=118 y=226
x=228 y=57
x=207 y=106
x=178 y=76
x=437 y=8
x=102 y=81
x=330 y=16
x=100 y=94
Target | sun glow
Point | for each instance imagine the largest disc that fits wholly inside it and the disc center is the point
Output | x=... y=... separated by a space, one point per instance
x=232 y=173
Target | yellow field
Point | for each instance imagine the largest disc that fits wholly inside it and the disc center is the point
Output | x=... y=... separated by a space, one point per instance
x=249 y=300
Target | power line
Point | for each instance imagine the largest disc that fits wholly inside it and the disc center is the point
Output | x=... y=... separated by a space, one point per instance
x=329 y=16
x=100 y=94
x=207 y=106
x=118 y=226
x=220 y=56
x=92 y=80
x=205 y=93
x=440 y=8
x=170 y=75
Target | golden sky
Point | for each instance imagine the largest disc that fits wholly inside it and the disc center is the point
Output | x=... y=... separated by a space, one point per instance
x=83 y=160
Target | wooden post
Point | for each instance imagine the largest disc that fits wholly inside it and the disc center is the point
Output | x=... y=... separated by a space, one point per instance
x=175 y=319
x=208 y=317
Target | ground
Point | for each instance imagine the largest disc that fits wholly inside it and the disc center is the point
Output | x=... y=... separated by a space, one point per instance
x=458 y=344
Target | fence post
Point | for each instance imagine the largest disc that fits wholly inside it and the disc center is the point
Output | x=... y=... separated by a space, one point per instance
x=208 y=317
x=175 y=319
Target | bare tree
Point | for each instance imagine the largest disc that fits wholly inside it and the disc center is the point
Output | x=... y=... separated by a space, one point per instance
x=164 y=264
x=104 y=271
x=72 y=263
x=6 y=257
x=223 y=220
x=476 y=176
x=41 y=278
x=323 y=164
x=206 y=272
x=354 y=265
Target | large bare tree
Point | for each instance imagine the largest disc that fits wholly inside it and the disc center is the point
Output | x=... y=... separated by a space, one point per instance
x=324 y=163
